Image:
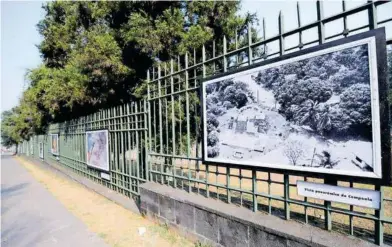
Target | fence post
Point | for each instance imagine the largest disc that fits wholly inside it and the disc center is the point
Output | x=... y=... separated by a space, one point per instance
x=148 y=143
x=327 y=211
x=286 y=176
x=147 y=153
x=173 y=122
x=250 y=51
x=204 y=75
x=254 y=190
x=320 y=17
x=300 y=45
x=372 y=13
x=379 y=227
x=224 y=54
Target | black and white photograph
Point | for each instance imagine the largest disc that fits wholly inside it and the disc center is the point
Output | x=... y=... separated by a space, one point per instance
x=316 y=112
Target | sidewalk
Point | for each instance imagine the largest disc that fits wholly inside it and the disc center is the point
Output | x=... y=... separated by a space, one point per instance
x=44 y=207
x=32 y=216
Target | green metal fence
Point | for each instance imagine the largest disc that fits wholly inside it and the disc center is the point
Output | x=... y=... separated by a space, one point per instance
x=165 y=131
x=127 y=132
x=174 y=131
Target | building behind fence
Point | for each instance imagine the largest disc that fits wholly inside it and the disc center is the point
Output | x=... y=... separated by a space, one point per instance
x=159 y=139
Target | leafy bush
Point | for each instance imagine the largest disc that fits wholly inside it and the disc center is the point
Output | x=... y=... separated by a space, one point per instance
x=304 y=88
x=213 y=138
x=212 y=151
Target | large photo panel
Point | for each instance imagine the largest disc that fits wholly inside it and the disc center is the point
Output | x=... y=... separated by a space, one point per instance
x=97 y=149
x=317 y=112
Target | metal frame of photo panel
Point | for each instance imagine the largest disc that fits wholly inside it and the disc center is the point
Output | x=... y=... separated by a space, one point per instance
x=381 y=142
x=107 y=150
x=51 y=141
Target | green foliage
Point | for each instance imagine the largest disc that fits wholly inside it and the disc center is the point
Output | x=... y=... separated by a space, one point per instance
x=95 y=54
x=304 y=88
x=8 y=135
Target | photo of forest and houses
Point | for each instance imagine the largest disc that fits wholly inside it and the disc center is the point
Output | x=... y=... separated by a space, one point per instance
x=315 y=112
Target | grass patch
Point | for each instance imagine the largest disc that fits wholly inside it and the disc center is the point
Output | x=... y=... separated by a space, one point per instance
x=116 y=225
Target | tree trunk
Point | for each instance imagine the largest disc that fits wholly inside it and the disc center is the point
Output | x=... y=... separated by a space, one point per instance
x=16 y=149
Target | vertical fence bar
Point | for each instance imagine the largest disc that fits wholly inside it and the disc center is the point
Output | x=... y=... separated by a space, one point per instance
x=160 y=110
x=146 y=146
x=250 y=51
x=213 y=55
x=327 y=205
x=372 y=14
x=188 y=127
x=128 y=148
x=204 y=75
x=148 y=143
x=378 y=224
x=173 y=122
x=154 y=118
x=163 y=177
x=224 y=54
x=351 y=218
x=345 y=29
x=236 y=47
x=228 y=184
x=227 y=167
x=254 y=190
x=269 y=193
x=286 y=176
x=166 y=116
x=320 y=17
x=136 y=111
x=281 y=39
x=300 y=45
x=306 y=208
x=264 y=38
x=122 y=146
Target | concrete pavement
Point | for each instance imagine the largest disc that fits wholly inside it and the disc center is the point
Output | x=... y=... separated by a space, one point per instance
x=31 y=216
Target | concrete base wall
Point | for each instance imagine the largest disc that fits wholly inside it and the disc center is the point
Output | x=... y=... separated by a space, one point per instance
x=211 y=221
x=220 y=224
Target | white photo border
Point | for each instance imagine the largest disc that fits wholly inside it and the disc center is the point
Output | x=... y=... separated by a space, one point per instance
x=376 y=128
x=107 y=167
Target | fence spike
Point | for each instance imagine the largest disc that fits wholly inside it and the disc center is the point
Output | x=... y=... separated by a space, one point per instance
x=298 y=15
x=204 y=60
x=320 y=17
x=300 y=45
x=281 y=41
x=224 y=54
x=250 y=52
x=194 y=57
x=236 y=46
x=372 y=13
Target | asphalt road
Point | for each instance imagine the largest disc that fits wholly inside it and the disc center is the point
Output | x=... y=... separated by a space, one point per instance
x=31 y=216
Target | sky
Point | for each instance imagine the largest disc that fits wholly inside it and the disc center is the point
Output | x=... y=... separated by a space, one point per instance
x=19 y=35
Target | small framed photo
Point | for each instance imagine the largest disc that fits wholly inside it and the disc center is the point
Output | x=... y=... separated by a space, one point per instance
x=41 y=150
x=54 y=144
x=97 y=149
